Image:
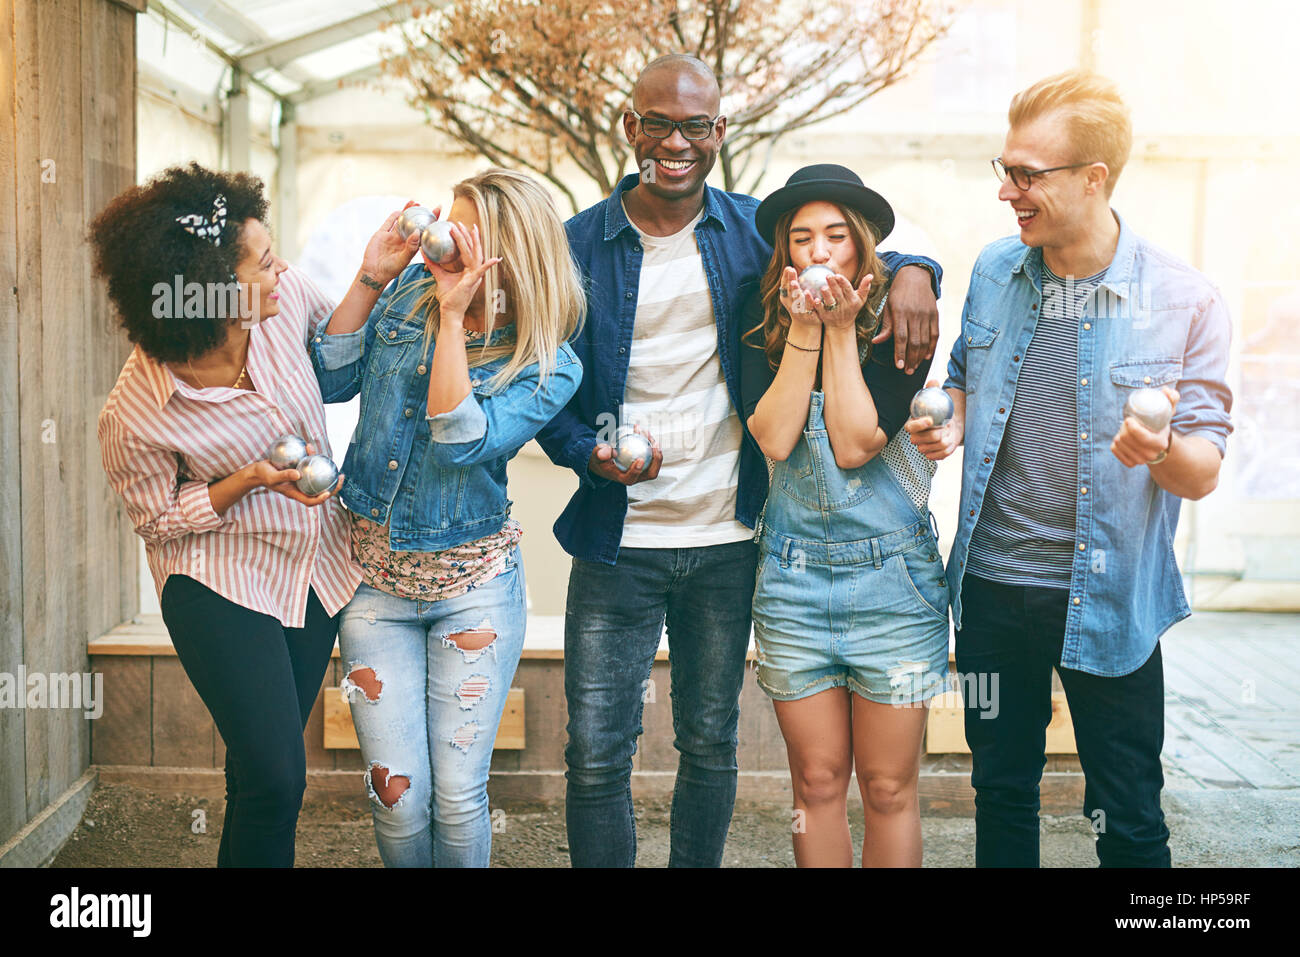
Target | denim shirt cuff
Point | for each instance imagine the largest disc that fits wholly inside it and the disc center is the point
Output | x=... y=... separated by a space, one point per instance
x=465 y=423
x=337 y=351
x=951 y=383
x=579 y=454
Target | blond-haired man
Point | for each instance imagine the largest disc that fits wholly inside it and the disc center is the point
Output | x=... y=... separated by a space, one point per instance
x=1063 y=555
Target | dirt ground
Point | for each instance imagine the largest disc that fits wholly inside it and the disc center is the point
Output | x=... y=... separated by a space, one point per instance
x=125 y=826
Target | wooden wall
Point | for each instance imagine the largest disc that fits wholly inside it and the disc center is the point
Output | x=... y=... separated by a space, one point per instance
x=68 y=566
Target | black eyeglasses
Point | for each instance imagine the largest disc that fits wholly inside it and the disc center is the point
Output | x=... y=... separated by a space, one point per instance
x=660 y=128
x=1022 y=177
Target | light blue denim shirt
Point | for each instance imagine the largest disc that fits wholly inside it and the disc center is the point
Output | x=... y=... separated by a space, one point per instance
x=435 y=481
x=1153 y=321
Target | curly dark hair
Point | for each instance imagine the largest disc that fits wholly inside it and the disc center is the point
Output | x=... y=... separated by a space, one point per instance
x=138 y=244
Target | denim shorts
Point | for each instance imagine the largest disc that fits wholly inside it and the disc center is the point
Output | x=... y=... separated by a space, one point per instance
x=870 y=616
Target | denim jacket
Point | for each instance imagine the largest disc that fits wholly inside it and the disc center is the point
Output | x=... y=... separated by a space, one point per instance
x=435 y=481
x=607 y=249
x=1153 y=321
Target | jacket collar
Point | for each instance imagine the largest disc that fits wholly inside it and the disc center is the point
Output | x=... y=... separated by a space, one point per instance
x=1119 y=274
x=616 y=220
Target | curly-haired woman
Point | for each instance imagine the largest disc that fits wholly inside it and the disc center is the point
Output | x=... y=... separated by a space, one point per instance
x=251 y=573
x=458 y=365
x=850 y=603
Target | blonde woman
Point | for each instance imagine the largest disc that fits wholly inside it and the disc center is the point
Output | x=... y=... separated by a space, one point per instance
x=458 y=365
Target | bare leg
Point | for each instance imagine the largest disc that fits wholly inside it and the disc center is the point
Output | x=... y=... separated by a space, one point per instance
x=819 y=742
x=887 y=752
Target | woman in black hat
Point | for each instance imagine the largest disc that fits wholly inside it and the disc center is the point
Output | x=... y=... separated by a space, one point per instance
x=850 y=602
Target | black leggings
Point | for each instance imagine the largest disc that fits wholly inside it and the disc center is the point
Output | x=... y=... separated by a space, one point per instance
x=259 y=680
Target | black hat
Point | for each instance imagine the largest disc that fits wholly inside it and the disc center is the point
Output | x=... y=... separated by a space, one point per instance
x=829 y=182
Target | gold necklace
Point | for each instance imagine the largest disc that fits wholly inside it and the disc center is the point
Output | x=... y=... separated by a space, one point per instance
x=243 y=372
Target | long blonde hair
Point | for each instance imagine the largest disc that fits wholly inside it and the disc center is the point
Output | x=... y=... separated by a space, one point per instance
x=775 y=326
x=537 y=283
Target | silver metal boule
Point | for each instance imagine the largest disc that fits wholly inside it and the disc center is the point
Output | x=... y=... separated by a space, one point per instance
x=1150 y=407
x=319 y=474
x=631 y=446
x=286 y=452
x=437 y=243
x=814 y=279
x=935 y=403
x=413 y=219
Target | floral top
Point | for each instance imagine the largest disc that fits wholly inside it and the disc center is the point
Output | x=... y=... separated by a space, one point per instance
x=430 y=576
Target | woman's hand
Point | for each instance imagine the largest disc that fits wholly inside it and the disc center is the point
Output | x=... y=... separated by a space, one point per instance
x=839 y=305
x=798 y=301
x=456 y=289
x=387 y=254
x=265 y=475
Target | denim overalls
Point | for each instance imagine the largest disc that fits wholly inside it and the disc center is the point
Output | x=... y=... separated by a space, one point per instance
x=850 y=590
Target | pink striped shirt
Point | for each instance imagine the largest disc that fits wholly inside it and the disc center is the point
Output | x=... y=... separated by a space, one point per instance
x=163 y=442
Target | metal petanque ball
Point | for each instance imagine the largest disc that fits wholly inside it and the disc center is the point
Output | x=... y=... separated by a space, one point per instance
x=631 y=446
x=286 y=452
x=933 y=402
x=437 y=243
x=814 y=280
x=319 y=474
x=413 y=219
x=1150 y=407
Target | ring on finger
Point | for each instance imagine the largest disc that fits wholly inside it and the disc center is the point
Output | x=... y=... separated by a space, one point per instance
x=829 y=303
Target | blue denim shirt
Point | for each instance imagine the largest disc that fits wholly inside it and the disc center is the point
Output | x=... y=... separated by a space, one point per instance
x=1153 y=321
x=607 y=249
x=435 y=481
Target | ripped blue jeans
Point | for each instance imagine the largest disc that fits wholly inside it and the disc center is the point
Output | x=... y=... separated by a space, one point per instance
x=426 y=706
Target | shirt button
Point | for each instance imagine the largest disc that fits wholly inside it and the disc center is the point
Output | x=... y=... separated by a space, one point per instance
x=374 y=512
x=1083 y=435
x=1081 y=546
x=1083 y=382
x=1146 y=379
x=621 y=350
x=637 y=247
x=1015 y=358
x=1076 y=601
x=409 y=412
x=986 y=460
x=475 y=381
x=968 y=339
x=392 y=465
x=422 y=369
x=1000 y=411
x=627 y=296
x=972 y=511
x=1034 y=306
x=1087 y=325
x=1084 y=490
x=392 y=334
x=318 y=338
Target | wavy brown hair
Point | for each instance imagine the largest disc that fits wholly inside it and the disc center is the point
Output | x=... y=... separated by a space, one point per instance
x=776 y=319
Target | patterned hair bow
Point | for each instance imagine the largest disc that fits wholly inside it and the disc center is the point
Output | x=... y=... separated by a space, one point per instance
x=210 y=228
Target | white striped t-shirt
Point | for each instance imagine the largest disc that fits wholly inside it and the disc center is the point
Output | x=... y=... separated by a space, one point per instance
x=676 y=391
x=163 y=442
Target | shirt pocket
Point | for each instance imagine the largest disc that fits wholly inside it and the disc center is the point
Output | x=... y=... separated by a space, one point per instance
x=397 y=338
x=1127 y=377
x=979 y=344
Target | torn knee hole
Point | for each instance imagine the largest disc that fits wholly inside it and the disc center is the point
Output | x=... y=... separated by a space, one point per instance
x=473 y=640
x=464 y=736
x=364 y=679
x=387 y=788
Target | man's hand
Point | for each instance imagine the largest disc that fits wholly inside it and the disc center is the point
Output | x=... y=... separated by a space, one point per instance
x=1135 y=444
x=911 y=317
x=602 y=463
x=937 y=443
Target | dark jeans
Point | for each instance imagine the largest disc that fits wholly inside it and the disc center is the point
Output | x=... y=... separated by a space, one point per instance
x=1015 y=633
x=614 y=618
x=259 y=681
